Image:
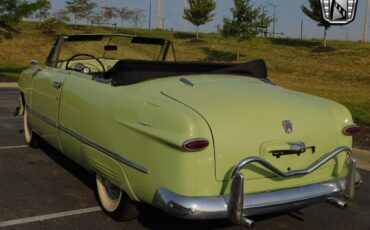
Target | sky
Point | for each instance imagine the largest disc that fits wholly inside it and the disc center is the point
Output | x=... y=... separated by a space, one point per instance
x=289 y=16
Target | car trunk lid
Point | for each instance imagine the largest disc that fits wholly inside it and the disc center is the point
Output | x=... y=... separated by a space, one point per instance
x=247 y=118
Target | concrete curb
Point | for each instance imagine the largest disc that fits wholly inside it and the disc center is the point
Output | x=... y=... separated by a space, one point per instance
x=363 y=158
x=9 y=85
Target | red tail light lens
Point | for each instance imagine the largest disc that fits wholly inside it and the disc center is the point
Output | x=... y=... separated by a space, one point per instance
x=351 y=130
x=195 y=145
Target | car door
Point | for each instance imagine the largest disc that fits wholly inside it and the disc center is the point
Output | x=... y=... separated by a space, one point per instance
x=46 y=91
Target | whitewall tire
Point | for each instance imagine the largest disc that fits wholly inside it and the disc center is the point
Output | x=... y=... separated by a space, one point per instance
x=115 y=202
x=29 y=135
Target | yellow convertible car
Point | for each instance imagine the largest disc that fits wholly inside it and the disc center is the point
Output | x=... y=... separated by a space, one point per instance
x=196 y=140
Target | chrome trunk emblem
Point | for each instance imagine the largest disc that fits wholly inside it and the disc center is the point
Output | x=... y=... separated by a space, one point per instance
x=288 y=126
x=339 y=11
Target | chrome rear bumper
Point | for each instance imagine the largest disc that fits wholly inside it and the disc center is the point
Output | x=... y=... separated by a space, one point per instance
x=237 y=205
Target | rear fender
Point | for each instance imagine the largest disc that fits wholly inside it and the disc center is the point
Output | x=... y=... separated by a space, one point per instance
x=108 y=168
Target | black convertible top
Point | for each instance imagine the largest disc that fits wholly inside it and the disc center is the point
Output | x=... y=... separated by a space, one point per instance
x=127 y=72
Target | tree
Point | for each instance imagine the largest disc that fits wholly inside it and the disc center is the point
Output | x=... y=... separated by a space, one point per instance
x=80 y=8
x=124 y=14
x=96 y=18
x=315 y=14
x=42 y=10
x=55 y=22
x=86 y=9
x=199 y=12
x=62 y=16
x=109 y=13
x=137 y=16
x=246 y=22
x=11 y=13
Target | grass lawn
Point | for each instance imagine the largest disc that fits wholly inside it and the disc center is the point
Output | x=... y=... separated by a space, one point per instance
x=342 y=75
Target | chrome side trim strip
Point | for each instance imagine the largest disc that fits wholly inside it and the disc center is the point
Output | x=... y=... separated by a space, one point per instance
x=104 y=150
x=90 y=143
x=42 y=117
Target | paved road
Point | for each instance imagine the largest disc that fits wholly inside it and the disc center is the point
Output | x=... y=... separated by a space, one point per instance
x=36 y=182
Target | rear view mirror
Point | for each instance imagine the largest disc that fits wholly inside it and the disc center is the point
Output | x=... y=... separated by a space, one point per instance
x=110 y=48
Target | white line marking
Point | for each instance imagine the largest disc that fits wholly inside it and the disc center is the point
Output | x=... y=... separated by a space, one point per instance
x=14 y=147
x=48 y=216
x=10 y=117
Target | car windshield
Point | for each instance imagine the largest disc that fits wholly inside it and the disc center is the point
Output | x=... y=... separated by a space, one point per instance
x=108 y=48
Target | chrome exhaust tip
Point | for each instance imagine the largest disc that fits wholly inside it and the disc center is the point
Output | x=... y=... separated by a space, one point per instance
x=337 y=202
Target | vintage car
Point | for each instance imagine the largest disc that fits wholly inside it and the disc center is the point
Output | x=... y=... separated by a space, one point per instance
x=196 y=140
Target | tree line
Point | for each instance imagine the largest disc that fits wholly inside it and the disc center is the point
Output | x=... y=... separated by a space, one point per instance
x=14 y=11
x=246 y=21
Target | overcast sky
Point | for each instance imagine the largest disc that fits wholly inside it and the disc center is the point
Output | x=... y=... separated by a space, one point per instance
x=288 y=13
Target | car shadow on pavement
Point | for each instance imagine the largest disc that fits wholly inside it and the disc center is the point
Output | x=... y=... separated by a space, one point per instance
x=150 y=217
x=77 y=171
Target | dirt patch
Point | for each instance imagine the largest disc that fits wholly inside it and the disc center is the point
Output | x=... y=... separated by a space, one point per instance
x=197 y=41
x=4 y=79
x=322 y=49
x=362 y=139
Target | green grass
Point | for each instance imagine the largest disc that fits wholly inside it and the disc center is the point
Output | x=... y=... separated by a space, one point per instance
x=342 y=75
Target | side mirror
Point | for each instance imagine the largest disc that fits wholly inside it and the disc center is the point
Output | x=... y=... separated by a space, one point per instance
x=34 y=62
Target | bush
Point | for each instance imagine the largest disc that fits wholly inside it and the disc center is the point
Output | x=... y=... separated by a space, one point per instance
x=51 y=26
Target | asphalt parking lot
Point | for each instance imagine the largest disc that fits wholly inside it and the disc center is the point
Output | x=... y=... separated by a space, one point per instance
x=42 y=189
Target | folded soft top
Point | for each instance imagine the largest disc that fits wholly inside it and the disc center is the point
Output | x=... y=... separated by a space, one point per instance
x=127 y=72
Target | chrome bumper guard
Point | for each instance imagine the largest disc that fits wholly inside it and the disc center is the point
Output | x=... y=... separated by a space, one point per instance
x=237 y=205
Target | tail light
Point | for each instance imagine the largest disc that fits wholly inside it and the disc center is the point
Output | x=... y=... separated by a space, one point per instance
x=195 y=145
x=351 y=130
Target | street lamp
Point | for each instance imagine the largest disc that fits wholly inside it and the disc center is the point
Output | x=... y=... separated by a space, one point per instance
x=275 y=6
x=265 y=32
x=150 y=13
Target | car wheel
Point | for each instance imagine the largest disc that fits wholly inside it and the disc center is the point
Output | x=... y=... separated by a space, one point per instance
x=31 y=137
x=115 y=202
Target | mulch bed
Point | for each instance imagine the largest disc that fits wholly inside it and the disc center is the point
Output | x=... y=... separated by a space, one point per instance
x=197 y=41
x=4 y=79
x=322 y=49
x=362 y=139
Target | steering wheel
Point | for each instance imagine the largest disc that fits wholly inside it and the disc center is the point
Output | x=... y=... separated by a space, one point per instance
x=87 y=55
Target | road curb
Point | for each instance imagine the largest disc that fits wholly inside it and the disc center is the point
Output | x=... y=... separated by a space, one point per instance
x=8 y=85
x=363 y=158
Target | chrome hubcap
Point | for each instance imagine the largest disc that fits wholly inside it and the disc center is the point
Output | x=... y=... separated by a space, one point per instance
x=112 y=191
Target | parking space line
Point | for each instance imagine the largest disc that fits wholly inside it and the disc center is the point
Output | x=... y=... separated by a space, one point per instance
x=11 y=117
x=14 y=147
x=48 y=216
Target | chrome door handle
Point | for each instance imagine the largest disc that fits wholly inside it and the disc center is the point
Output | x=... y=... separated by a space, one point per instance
x=57 y=84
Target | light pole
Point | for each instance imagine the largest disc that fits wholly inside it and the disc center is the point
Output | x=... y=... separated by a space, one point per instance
x=150 y=13
x=265 y=32
x=366 y=23
x=302 y=29
x=185 y=21
x=275 y=6
x=160 y=14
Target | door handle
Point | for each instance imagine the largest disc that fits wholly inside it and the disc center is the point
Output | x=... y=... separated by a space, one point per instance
x=36 y=72
x=57 y=84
